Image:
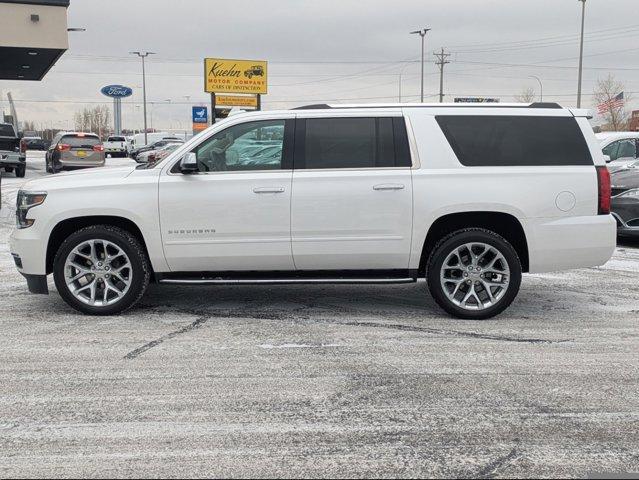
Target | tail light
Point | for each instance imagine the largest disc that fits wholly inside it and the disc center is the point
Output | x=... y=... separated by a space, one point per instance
x=603 y=180
x=23 y=146
x=98 y=148
x=63 y=147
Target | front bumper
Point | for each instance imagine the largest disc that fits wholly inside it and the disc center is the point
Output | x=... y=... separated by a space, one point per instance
x=11 y=159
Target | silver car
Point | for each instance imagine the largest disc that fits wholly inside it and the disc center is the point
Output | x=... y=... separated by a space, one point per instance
x=71 y=150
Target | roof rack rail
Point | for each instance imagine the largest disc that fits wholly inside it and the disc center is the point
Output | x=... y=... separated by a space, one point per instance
x=545 y=105
x=325 y=106
x=317 y=106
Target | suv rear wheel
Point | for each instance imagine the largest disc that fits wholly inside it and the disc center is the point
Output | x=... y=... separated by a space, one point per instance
x=474 y=274
x=101 y=270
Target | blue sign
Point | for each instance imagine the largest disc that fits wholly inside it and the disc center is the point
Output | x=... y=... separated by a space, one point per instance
x=200 y=115
x=117 y=91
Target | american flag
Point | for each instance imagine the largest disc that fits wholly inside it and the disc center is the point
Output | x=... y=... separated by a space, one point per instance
x=616 y=102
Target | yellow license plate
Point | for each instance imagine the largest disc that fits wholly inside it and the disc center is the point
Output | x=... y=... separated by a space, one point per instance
x=82 y=154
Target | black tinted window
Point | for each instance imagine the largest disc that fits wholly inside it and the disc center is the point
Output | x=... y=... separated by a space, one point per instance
x=515 y=141
x=76 y=141
x=352 y=143
x=7 y=131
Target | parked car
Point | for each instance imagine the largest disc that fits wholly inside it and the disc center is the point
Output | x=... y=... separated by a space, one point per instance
x=139 y=140
x=154 y=146
x=11 y=158
x=625 y=199
x=72 y=150
x=156 y=155
x=460 y=196
x=32 y=143
x=116 y=146
x=621 y=147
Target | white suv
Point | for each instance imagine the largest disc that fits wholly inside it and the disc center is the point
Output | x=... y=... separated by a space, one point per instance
x=467 y=197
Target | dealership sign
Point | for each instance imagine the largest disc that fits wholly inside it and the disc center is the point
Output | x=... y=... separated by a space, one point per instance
x=200 y=115
x=236 y=101
x=117 y=91
x=235 y=76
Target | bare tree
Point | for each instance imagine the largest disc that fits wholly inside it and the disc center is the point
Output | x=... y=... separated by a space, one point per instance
x=615 y=116
x=95 y=120
x=28 y=126
x=527 y=95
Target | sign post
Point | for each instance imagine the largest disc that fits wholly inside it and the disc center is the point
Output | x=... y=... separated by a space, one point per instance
x=117 y=93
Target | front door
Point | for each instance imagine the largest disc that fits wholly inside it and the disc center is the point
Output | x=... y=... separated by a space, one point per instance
x=352 y=194
x=234 y=214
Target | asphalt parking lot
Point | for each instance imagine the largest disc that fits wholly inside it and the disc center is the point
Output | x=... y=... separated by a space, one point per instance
x=324 y=381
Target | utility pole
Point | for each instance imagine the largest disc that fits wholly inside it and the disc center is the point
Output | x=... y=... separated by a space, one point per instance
x=422 y=33
x=581 y=51
x=441 y=61
x=143 y=56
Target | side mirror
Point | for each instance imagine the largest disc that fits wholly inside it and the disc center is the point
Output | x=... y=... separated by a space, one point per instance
x=188 y=164
x=20 y=135
x=607 y=158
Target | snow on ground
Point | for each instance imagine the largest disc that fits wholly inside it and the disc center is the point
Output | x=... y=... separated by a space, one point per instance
x=366 y=381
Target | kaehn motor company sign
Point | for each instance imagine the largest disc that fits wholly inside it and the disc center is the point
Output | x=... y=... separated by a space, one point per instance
x=117 y=91
x=235 y=76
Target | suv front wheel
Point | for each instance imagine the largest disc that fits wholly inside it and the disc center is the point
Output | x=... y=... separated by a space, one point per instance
x=474 y=274
x=101 y=270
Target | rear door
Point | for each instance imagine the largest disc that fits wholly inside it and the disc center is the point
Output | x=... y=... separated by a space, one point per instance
x=352 y=192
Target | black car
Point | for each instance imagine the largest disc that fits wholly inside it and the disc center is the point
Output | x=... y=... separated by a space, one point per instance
x=11 y=159
x=625 y=199
x=154 y=146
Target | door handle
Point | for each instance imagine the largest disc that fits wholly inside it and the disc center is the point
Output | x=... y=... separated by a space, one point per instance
x=269 y=190
x=389 y=186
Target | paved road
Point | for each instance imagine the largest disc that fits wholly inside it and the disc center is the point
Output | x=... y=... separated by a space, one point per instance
x=322 y=381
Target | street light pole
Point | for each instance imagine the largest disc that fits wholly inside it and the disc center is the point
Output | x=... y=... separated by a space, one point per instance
x=143 y=56
x=541 y=87
x=581 y=51
x=422 y=33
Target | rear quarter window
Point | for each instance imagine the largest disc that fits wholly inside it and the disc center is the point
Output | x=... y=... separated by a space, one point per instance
x=485 y=141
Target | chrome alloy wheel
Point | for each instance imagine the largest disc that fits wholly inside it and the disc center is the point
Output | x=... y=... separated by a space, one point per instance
x=98 y=273
x=475 y=276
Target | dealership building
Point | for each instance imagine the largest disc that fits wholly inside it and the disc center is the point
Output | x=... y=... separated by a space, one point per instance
x=33 y=36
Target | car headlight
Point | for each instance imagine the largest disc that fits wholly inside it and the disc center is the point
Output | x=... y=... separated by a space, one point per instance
x=25 y=202
x=630 y=193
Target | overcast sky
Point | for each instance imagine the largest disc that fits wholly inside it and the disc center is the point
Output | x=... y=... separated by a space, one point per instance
x=332 y=50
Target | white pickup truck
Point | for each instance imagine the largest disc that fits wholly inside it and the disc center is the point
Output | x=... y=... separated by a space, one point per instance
x=116 y=146
x=466 y=197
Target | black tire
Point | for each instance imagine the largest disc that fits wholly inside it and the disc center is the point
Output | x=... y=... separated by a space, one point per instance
x=21 y=171
x=456 y=239
x=141 y=270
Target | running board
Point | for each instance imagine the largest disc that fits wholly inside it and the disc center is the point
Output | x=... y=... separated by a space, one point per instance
x=289 y=277
x=282 y=281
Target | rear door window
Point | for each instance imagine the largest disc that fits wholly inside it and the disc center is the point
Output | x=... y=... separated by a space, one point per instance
x=483 y=140
x=357 y=142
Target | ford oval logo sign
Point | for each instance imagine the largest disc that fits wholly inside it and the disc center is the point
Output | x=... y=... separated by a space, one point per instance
x=117 y=91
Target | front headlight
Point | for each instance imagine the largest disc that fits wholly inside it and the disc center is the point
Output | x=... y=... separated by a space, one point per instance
x=634 y=193
x=25 y=202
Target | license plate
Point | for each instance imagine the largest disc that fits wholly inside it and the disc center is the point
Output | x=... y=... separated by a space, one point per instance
x=82 y=154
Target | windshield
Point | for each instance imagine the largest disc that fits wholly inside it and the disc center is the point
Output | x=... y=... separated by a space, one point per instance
x=7 y=131
x=115 y=139
x=87 y=141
